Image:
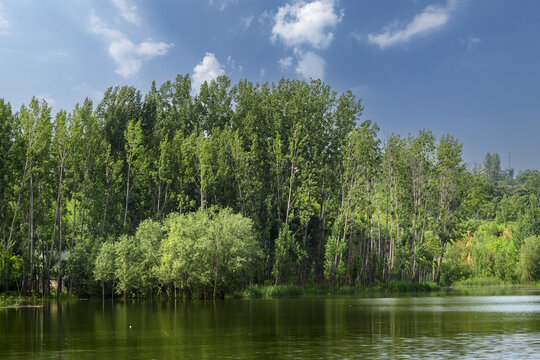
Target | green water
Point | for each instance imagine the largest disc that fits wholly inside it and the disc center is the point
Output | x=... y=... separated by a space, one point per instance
x=454 y=325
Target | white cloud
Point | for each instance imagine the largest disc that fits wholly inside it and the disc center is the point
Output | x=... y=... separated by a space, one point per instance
x=430 y=19
x=306 y=23
x=222 y=4
x=357 y=36
x=4 y=24
x=127 y=55
x=128 y=10
x=232 y=65
x=52 y=56
x=311 y=65
x=470 y=42
x=262 y=72
x=265 y=16
x=246 y=22
x=285 y=63
x=208 y=69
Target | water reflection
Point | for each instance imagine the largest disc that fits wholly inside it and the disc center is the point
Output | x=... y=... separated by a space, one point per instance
x=456 y=327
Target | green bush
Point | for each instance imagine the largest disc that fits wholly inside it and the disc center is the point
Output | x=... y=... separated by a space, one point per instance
x=455 y=265
x=528 y=268
x=282 y=290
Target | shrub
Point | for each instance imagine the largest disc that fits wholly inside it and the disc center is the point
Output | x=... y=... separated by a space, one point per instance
x=528 y=268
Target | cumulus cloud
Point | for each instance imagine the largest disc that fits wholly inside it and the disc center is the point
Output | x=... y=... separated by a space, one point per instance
x=4 y=24
x=306 y=23
x=127 y=55
x=430 y=19
x=285 y=63
x=128 y=11
x=208 y=69
x=311 y=65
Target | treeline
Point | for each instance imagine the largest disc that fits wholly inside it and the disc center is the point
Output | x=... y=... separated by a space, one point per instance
x=327 y=199
x=499 y=237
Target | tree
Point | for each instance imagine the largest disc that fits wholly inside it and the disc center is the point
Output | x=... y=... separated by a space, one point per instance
x=492 y=167
x=136 y=161
x=128 y=265
x=449 y=187
x=7 y=176
x=148 y=238
x=207 y=252
x=105 y=265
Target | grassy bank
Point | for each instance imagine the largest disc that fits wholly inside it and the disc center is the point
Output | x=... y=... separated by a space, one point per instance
x=274 y=291
x=14 y=300
x=482 y=281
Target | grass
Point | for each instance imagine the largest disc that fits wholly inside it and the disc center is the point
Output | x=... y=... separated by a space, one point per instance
x=481 y=281
x=12 y=299
x=16 y=300
x=274 y=291
x=256 y=291
x=404 y=286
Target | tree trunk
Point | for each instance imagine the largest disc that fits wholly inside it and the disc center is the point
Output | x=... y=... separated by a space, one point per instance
x=60 y=250
x=5 y=248
x=85 y=192
x=31 y=236
x=438 y=274
x=127 y=195
x=70 y=275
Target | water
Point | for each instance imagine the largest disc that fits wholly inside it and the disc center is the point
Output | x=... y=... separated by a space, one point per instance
x=449 y=326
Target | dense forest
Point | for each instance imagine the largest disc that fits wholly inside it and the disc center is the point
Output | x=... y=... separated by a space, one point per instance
x=247 y=184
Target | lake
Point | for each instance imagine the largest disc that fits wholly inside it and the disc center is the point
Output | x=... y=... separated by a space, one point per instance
x=449 y=325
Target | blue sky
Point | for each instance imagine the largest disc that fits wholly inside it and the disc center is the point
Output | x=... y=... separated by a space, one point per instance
x=470 y=68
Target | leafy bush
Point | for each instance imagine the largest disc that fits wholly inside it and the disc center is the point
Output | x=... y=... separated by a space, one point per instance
x=528 y=268
x=456 y=263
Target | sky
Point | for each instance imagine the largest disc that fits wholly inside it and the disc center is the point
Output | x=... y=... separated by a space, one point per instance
x=469 y=68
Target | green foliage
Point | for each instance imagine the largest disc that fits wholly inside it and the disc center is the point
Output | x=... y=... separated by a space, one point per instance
x=82 y=261
x=128 y=265
x=480 y=281
x=148 y=238
x=311 y=192
x=287 y=254
x=528 y=268
x=405 y=286
x=272 y=291
x=456 y=265
x=492 y=166
x=105 y=264
x=529 y=222
x=208 y=252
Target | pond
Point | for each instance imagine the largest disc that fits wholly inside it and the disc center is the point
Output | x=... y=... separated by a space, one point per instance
x=450 y=325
